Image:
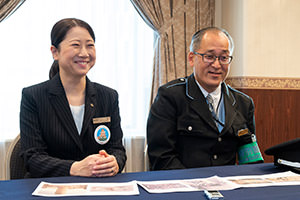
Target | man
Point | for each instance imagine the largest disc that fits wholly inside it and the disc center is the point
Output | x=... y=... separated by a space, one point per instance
x=200 y=121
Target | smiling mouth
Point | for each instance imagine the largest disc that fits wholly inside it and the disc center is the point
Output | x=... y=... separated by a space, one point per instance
x=215 y=73
x=82 y=62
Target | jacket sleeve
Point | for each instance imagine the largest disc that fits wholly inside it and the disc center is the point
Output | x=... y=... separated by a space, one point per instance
x=251 y=118
x=249 y=151
x=37 y=161
x=162 y=133
x=116 y=147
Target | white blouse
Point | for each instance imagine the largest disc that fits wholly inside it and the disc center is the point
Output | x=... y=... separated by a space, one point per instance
x=78 y=113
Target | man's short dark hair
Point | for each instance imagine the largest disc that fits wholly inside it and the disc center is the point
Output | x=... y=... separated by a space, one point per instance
x=197 y=38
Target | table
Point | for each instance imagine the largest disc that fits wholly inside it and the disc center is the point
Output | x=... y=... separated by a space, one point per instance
x=22 y=189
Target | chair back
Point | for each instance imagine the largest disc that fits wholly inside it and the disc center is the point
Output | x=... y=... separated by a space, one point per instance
x=15 y=167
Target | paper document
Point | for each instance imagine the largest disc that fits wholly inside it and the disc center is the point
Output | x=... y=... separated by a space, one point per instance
x=166 y=186
x=276 y=179
x=85 y=189
x=221 y=183
x=186 y=185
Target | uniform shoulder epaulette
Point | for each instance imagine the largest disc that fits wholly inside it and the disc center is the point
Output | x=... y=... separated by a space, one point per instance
x=179 y=81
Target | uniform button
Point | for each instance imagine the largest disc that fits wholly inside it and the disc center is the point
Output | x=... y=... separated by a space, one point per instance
x=190 y=128
x=215 y=157
x=219 y=139
x=182 y=79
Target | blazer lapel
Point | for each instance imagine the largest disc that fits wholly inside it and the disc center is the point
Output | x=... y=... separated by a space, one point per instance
x=61 y=106
x=229 y=104
x=90 y=106
x=198 y=103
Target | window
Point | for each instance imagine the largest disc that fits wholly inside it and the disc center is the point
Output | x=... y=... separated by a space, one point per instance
x=124 y=46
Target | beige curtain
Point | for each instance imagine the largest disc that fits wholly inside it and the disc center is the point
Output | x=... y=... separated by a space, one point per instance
x=174 y=23
x=8 y=7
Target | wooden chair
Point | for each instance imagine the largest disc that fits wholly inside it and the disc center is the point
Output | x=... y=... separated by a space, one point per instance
x=14 y=164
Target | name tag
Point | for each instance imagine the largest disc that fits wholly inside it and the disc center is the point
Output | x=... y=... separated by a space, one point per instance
x=99 y=120
x=243 y=132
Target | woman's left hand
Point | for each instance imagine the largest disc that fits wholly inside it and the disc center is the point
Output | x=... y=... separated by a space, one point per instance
x=106 y=166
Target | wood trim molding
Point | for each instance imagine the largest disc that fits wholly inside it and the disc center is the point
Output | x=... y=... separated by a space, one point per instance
x=249 y=82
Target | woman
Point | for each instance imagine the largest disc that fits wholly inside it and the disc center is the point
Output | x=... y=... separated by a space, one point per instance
x=70 y=125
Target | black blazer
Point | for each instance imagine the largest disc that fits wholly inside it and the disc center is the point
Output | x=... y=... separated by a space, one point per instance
x=181 y=132
x=49 y=137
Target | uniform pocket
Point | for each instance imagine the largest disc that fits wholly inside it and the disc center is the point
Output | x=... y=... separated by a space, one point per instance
x=242 y=132
x=191 y=128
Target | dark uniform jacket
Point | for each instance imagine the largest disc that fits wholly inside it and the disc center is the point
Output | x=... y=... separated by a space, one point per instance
x=49 y=137
x=181 y=132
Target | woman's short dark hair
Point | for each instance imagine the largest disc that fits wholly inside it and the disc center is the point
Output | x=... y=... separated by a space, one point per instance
x=59 y=32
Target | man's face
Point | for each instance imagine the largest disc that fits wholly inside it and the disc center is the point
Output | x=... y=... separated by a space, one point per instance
x=210 y=75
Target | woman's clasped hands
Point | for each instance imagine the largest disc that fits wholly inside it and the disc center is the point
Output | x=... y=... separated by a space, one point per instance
x=96 y=165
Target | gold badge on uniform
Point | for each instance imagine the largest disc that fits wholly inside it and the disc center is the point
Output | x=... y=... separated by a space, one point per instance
x=242 y=132
x=100 y=120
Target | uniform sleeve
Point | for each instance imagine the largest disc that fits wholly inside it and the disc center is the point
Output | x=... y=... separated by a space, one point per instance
x=249 y=151
x=33 y=147
x=162 y=133
x=251 y=118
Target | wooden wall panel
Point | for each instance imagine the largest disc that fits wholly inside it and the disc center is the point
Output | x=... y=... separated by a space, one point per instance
x=277 y=114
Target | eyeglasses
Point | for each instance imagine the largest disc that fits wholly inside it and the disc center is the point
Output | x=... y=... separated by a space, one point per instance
x=208 y=58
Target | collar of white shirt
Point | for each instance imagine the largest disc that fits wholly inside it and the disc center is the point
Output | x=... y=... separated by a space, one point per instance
x=216 y=95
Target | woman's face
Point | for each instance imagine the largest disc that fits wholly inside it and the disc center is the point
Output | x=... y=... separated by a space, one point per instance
x=76 y=54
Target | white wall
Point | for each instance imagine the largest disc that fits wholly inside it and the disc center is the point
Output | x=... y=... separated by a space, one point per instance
x=266 y=35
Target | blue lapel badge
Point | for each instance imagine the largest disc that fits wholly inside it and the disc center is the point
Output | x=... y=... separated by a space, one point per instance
x=102 y=134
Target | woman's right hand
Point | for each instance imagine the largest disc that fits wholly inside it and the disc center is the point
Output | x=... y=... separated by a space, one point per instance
x=96 y=165
x=86 y=166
